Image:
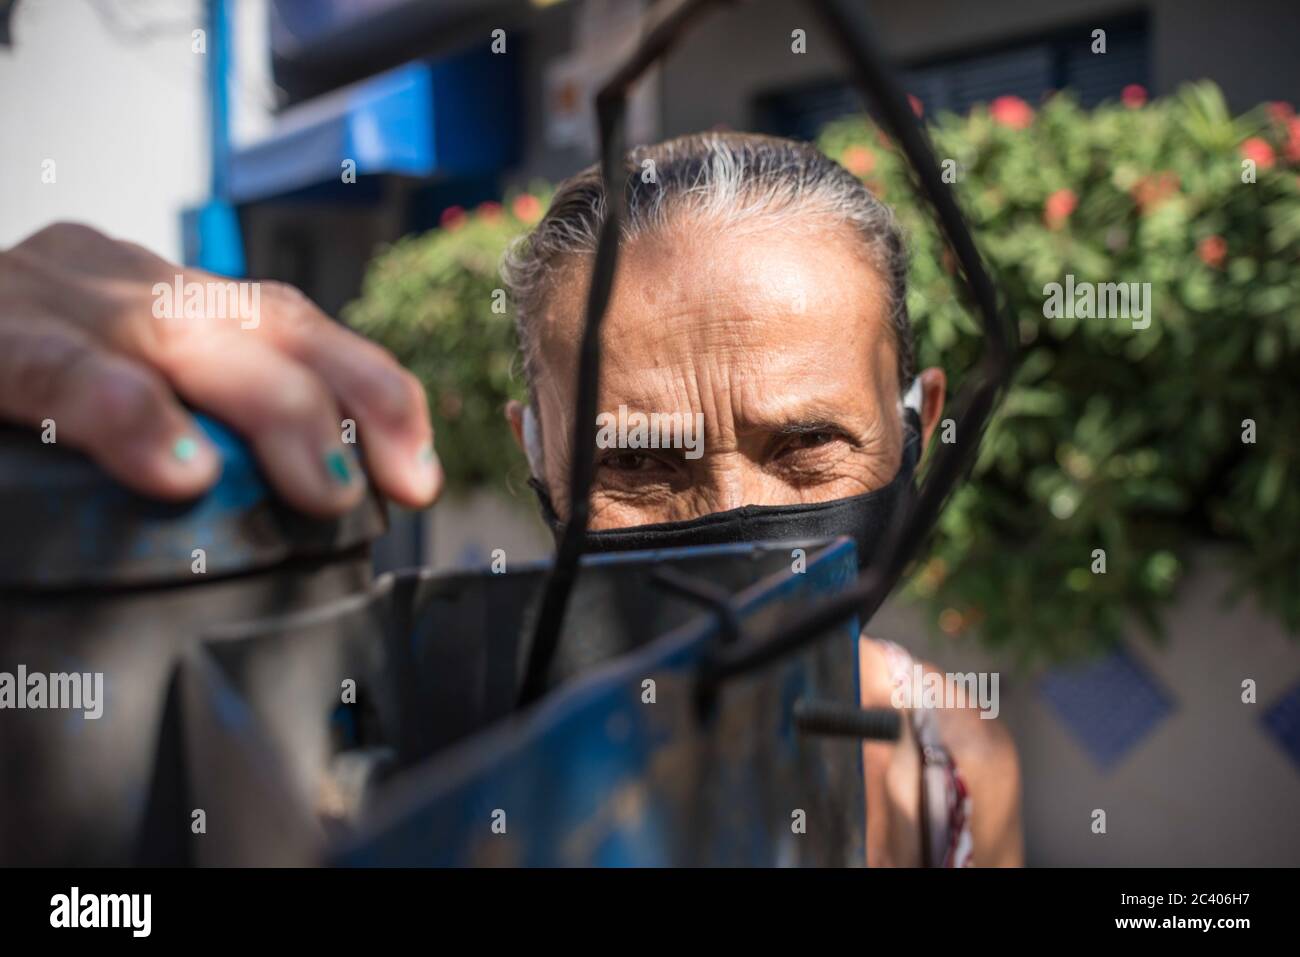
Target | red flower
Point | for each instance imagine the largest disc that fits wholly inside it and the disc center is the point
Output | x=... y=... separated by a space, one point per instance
x=1213 y=250
x=859 y=160
x=1133 y=96
x=1293 y=139
x=1058 y=208
x=1011 y=111
x=452 y=217
x=1280 y=111
x=527 y=207
x=1259 y=151
x=490 y=211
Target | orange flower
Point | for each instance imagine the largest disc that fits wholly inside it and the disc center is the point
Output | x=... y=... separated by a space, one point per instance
x=1059 y=206
x=1150 y=191
x=952 y=622
x=527 y=207
x=1011 y=111
x=1213 y=250
x=934 y=571
x=1133 y=96
x=1259 y=151
x=859 y=160
x=490 y=211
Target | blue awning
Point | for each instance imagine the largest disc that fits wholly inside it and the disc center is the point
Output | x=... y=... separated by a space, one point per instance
x=453 y=116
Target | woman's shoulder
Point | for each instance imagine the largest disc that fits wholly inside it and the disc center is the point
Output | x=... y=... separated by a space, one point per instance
x=884 y=666
x=982 y=749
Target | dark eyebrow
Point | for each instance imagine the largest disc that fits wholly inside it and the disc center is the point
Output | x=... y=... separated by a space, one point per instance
x=807 y=426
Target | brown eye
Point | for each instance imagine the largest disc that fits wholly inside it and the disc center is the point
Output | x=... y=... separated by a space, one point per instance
x=809 y=440
x=628 y=462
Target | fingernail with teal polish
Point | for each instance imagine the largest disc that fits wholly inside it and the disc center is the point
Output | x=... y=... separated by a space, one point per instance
x=336 y=463
x=185 y=448
x=426 y=454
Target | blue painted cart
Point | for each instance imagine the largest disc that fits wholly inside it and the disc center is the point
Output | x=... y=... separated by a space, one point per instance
x=621 y=763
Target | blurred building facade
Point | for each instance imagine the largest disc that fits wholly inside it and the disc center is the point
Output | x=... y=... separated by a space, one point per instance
x=450 y=102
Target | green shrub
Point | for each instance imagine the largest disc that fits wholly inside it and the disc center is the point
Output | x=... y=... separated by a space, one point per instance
x=1115 y=438
x=437 y=302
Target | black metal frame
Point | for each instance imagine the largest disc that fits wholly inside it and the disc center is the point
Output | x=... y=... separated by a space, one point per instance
x=663 y=26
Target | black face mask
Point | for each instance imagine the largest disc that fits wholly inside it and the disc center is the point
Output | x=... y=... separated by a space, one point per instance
x=864 y=518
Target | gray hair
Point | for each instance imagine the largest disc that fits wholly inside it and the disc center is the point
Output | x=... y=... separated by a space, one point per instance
x=726 y=179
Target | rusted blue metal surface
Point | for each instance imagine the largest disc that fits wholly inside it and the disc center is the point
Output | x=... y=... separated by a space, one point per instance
x=97 y=581
x=600 y=774
x=71 y=525
x=617 y=765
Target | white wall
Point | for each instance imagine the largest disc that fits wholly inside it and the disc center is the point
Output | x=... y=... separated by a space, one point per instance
x=114 y=94
x=1206 y=787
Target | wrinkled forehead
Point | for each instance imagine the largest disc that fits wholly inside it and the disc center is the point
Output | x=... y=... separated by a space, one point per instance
x=767 y=306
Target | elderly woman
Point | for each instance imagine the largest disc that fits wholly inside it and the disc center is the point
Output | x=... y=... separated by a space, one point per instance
x=760 y=285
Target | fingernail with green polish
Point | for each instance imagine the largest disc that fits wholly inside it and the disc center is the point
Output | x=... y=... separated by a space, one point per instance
x=185 y=448
x=336 y=463
x=426 y=454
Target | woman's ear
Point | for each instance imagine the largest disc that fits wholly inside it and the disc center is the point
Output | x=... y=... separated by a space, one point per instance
x=515 y=416
x=523 y=423
x=934 y=388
